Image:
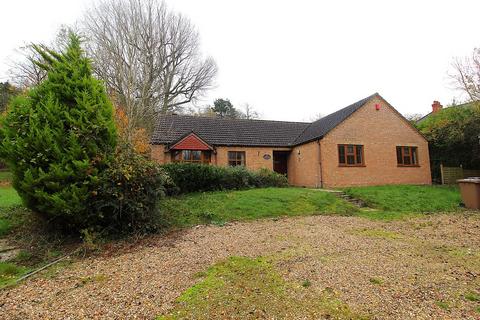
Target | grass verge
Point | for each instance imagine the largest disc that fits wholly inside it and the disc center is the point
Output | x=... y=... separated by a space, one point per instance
x=251 y=289
x=26 y=241
x=10 y=205
x=399 y=201
x=12 y=217
x=5 y=176
x=9 y=197
x=219 y=207
x=9 y=272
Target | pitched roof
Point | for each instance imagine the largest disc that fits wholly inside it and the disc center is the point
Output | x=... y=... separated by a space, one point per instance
x=423 y=118
x=228 y=132
x=321 y=127
x=242 y=132
x=463 y=105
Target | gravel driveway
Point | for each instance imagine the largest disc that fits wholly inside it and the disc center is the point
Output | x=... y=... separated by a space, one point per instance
x=412 y=269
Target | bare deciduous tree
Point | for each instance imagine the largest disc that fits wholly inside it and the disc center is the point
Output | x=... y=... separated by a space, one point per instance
x=467 y=75
x=249 y=112
x=149 y=57
x=25 y=72
x=202 y=111
x=315 y=117
x=413 y=117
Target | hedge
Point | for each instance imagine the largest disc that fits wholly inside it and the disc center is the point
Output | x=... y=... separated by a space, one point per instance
x=190 y=177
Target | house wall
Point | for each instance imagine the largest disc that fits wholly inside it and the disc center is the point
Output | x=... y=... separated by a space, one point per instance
x=253 y=156
x=304 y=165
x=379 y=131
x=158 y=154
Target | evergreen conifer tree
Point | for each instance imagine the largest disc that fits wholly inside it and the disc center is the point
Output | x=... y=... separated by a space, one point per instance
x=59 y=136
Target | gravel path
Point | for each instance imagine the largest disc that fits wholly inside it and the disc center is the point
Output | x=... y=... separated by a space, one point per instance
x=411 y=269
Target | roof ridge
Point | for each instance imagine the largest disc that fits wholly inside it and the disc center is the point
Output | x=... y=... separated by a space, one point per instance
x=356 y=105
x=233 y=119
x=358 y=101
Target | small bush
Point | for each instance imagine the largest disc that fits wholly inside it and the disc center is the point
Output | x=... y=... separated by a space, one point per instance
x=188 y=177
x=128 y=194
x=267 y=178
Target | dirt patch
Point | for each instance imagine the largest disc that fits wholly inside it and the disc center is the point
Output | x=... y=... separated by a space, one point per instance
x=418 y=268
x=5 y=183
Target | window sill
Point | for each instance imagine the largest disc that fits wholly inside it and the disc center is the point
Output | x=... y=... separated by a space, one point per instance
x=408 y=165
x=351 y=166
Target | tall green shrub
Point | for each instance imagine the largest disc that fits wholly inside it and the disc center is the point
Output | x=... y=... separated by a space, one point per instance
x=453 y=134
x=59 y=136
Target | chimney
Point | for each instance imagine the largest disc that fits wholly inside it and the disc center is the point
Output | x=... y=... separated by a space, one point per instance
x=436 y=106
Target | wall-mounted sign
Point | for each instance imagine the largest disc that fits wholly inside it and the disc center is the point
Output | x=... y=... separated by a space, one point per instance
x=266 y=156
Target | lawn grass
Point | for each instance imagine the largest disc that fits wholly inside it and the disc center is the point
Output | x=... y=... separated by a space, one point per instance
x=251 y=289
x=5 y=176
x=219 y=207
x=399 y=201
x=12 y=217
x=390 y=202
x=9 y=202
x=9 y=197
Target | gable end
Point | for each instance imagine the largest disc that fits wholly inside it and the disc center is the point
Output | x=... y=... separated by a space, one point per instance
x=191 y=142
x=395 y=111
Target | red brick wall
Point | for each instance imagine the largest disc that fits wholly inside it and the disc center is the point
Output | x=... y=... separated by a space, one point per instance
x=304 y=165
x=254 y=156
x=379 y=131
x=158 y=154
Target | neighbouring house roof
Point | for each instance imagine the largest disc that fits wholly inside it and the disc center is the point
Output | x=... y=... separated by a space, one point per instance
x=423 y=118
x=463 y=105
x=241 y=132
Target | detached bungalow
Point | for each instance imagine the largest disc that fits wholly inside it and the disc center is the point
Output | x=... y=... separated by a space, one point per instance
x=366 y=143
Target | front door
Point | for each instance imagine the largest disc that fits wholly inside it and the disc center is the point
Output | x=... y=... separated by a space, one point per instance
x=280 y=161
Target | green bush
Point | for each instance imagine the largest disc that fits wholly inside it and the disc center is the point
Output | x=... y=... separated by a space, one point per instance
x=264 y=178
x=452 y=134
x=59 y=137
x=189 y=177
x=128 y=194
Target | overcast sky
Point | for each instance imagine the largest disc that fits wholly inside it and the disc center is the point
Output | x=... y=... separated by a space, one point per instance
x=291 y=60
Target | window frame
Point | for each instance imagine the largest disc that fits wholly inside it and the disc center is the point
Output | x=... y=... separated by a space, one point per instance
x=236 y=162
x=412 y=154
x=355 y=154
x=205 y=156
